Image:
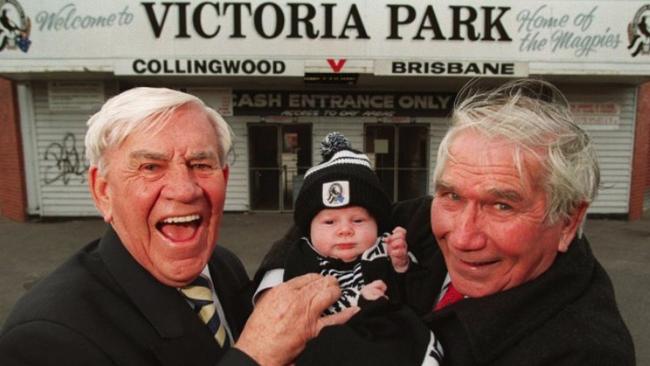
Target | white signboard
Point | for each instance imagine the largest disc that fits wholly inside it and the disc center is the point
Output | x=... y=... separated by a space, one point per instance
x=175 y=37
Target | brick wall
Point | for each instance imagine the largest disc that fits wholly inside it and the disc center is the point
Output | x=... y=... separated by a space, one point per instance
x=641 y=158
x=647 y=172
x=646 y=201
x=13 y=201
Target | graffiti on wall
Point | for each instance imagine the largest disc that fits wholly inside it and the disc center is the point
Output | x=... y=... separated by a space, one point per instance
x=69 y=162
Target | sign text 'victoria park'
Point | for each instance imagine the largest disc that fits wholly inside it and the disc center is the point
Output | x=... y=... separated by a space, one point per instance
x=269 y=20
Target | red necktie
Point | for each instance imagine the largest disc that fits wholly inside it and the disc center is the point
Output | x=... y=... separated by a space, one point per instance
x=451 y=296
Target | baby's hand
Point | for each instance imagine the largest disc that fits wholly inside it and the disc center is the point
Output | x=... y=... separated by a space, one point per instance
x=374 y=290
x=398 y=249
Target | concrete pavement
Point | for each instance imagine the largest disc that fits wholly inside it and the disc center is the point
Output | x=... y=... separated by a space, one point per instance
x=31 y=250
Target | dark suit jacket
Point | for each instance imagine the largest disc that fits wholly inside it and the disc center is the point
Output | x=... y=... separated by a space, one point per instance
x=102 y=308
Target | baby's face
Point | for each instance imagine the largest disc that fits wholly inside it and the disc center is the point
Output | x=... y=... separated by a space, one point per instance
x=343 y=233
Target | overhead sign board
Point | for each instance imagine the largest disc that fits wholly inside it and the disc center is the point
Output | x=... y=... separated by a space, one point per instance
x=452 y=37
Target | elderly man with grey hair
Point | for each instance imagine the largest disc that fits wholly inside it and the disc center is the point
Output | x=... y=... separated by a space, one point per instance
x=156 y=289
x=504 y=274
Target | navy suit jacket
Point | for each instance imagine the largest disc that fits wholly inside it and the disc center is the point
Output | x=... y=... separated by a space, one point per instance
x=102 y=308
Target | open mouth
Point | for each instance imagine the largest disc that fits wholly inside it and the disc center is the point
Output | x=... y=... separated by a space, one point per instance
x=179 y=228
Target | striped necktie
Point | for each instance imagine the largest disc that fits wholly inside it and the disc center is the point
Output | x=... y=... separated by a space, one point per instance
x=199 y=294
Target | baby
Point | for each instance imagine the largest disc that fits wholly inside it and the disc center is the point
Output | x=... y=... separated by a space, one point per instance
x=344 y=215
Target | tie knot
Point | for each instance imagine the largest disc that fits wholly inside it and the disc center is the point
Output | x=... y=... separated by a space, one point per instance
x=199 y=292
x=201 y=280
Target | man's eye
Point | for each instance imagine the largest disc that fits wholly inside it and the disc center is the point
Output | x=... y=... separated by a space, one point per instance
x=451 y=195
x=358 y=221
x=502 y=206
x=328 y=222
x=202 y=166
x=150 y=167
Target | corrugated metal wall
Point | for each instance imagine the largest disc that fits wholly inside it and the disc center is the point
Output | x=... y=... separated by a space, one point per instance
x=59 y=147
x=437 y=129
x=237 y=193
x=614 y=146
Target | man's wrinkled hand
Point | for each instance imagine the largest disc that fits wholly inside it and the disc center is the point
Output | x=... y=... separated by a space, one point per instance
x=288 y=316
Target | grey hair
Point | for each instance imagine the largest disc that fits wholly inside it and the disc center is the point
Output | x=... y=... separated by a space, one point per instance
x=142 y=109
x=535 y=116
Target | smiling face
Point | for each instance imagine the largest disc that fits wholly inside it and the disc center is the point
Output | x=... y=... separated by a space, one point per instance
x=490 y=222
x=163 y=193
x=343 y=233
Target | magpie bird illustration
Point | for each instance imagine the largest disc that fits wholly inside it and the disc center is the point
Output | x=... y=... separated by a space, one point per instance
x=643 y=27
x=7 y=23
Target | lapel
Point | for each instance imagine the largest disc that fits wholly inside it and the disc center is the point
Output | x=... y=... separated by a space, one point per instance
x=179 y=336
x=494 y=324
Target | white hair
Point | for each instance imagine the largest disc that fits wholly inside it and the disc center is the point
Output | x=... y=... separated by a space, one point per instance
x=143 y=109
x=535 y=116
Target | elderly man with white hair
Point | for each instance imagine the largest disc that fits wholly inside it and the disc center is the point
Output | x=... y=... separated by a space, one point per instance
x=156 y=289
x=504 y=274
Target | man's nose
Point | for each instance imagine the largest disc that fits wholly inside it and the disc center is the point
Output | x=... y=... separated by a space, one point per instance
x=181 y=185
x=468 y=233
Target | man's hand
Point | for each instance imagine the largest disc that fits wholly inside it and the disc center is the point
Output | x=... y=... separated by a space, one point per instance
x=288 y=316
x=398 y=249
x=374 y=290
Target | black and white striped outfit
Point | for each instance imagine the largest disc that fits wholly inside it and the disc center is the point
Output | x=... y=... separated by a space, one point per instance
x=409 y=341
x=350 y=277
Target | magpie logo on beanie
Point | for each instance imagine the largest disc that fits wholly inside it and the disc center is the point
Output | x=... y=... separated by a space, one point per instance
x=344 y=178
x=336 y=194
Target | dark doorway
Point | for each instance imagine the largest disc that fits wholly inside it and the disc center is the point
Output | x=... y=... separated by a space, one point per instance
x=401 y=158
x=279 y=155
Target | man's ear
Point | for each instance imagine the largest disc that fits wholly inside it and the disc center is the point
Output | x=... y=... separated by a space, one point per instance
x=100 y=192
x=570 y=226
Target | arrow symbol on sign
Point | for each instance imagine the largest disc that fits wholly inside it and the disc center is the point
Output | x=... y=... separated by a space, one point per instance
x=336 y=65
